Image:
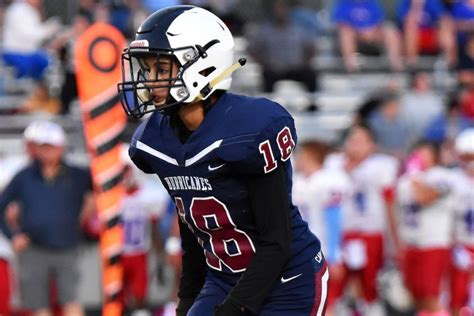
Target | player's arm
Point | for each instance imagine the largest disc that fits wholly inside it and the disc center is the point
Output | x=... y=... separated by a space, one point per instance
x=88 y=209
x=193 y=270
x=426 y=194
x=269 y=202
x=388 y=194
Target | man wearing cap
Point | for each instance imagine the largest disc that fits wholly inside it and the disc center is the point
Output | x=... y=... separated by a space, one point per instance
x=10 y=165
x=53 y=196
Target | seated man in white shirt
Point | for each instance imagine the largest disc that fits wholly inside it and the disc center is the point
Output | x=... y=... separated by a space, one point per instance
x=23 y=35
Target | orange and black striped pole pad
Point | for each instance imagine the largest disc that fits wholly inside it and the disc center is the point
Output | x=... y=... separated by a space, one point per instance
x=98 y=69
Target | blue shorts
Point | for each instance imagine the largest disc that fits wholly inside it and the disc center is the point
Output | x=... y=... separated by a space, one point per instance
x=32 y=65
x=300 y=291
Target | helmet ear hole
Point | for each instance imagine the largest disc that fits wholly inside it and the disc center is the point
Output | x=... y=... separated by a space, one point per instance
x=195 y=84
x=206 y=72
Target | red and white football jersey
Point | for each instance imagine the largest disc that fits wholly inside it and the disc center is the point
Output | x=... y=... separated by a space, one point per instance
x=429 y=226
x=138 y=210
x=313 y=195
x=366 y=211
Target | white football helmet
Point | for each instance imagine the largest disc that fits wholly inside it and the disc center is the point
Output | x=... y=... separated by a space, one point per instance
x=200 y=44
x=464 y=143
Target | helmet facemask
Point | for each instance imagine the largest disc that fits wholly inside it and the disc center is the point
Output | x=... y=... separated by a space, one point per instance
x=137 y=87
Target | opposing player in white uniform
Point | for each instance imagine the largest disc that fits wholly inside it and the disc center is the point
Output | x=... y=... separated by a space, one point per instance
x=425 y=203
x=370 y=213
x=463 y=251
x=141 y=208
x=320 y=194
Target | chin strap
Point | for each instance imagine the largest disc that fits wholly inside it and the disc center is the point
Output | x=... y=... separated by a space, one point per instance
x=223 y=75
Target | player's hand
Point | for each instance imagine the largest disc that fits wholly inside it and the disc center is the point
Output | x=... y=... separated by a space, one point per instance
x=12 y=214
x=20 y=242
x=227 y=308
x=423 y=193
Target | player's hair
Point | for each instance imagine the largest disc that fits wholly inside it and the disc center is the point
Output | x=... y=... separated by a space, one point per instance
x=317 y=149
x=364 y=126
x=434 y=147
x=388 y=98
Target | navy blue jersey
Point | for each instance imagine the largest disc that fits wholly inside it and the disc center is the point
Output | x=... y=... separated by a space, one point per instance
x=239 y=137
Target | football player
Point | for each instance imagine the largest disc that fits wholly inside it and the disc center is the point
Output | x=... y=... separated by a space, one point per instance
x=321 y=195
x=425 y=200
x=224 y=159
x=463 y=253
x=141 y=208
x=369 y=215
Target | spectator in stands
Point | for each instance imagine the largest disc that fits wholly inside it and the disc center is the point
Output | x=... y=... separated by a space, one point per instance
x=425 y=201
x=362 y=29
x=392 y=133
x=41 y=101
x=373 y=101
x=141 y=208
x=321 y=193
x=306 y=17
x=420 y=105
x=127 y=15
x=466 y=62
x=462 y=266
x=87 y=7
x=448 y=124
x=424 y=25
x=53 y=196
x=370 y=215
x=64 y=44
x=24 y=34
x=283 y=49
x=462 y=25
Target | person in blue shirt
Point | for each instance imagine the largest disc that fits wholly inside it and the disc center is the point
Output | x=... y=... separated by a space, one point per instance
x=53 y=196
x=462 y=32
x=362 y=28
x=463 y=15
x=425 y=28
x=445 y=126
x=225 y=161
